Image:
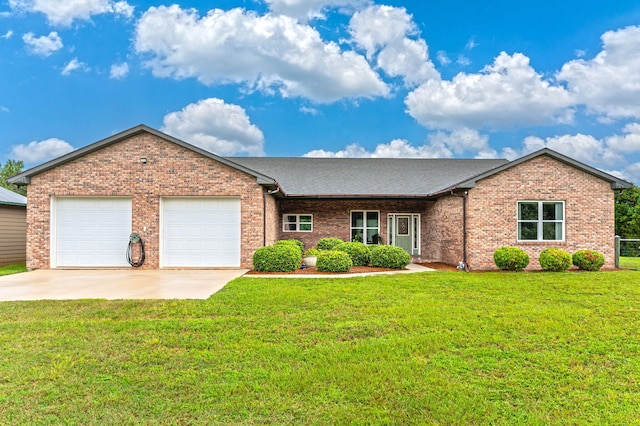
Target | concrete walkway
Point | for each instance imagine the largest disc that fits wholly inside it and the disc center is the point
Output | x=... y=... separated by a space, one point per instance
x=411 y=268
x=60 y=284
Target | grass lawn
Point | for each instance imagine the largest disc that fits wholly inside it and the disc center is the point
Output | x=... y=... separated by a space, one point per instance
x=630 y=262
x=431 y=348
x=12 y=269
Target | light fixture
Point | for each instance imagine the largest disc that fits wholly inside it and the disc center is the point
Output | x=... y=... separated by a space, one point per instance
x=143 y=160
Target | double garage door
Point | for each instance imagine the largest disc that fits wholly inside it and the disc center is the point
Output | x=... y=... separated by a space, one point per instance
x=194 y=232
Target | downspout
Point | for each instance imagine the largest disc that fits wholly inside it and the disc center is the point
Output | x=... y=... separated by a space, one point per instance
x=464 y=264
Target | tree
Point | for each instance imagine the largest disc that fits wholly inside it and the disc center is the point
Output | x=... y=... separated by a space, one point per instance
x=627 y=206
x=11 y=168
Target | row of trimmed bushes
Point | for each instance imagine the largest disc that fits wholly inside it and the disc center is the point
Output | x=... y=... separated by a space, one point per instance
x=334 y=255
x=551 y=259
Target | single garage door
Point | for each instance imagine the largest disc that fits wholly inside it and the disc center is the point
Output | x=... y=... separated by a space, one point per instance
x=91 y=232
x=200 y=232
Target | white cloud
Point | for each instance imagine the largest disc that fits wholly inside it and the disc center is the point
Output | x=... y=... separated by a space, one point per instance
x=505 y=94
x=609 y=84
x=216 y=126
x=625 y=144
x=471 y=44
x=609 y=151
x=270 y=53
x=7 y=35
x=74 y=65
x=443 y=58
x=631 y=173
x=40 y=151
x=584 y=148
x=463 y=61
x=43 y=45
x=312 y=9
x=4 y=109
x=119 y=71
x=309 y=110
x=605 y=153
x=384 y=32
x=64 y=12
x=441 y=145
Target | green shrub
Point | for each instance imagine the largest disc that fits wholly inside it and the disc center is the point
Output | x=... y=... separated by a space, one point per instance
x=277 y=258
x=296 y=243
x=333 y=261
x=588 y=260
x=386 y=256
x=312 y=252
x=328 y=243
x=358 y=252
x=555 y=260
x=510 y=258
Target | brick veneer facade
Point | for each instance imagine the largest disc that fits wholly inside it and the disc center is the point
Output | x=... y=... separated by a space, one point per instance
x=492 y=210
x=171 y=170
x=332 y=218
x=444 y=231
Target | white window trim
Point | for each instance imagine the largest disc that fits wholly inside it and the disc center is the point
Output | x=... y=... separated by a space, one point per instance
x=297 y=222
x=541 y=222
x=365 y=227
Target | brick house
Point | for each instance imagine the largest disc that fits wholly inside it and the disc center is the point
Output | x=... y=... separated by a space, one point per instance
x=195 y=209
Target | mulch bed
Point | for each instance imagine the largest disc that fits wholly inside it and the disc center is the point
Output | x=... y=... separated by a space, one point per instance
x=314 y=271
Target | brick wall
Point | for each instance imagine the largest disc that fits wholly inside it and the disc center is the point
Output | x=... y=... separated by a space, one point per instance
x=272 y=230
x=492 y=210
x=331 y=218
x=443 y=232
x=115 y=170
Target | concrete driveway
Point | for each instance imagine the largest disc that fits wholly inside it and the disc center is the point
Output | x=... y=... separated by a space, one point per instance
x=62 y=284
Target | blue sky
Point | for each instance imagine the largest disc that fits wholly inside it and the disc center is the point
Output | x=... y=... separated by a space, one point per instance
x=346 y=78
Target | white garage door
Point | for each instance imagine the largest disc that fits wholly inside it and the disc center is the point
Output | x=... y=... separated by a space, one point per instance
x=91 y=231
x=200 y=232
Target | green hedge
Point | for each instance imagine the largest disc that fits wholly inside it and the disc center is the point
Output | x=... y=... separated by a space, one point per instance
x=588 y=260
x=386 y=256
x=555 y=259
x=510 y=258
x=277 y=258
x=328 y=243
x=358 y=252
x=296 y=243
x=333 y=261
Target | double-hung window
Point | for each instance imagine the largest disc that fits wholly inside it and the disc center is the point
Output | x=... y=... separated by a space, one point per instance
x=365 y=226
x=297 y=222
x=541 y=220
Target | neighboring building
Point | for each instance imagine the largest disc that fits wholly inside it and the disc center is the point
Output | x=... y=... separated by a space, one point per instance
x=195 y=209
x=13 y=227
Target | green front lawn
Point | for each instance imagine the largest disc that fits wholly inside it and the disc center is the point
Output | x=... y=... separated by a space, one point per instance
x=630 y=262
x=12 y=269
x=431 y=348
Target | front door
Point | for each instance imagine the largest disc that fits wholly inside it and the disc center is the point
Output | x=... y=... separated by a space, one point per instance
x=404 y=232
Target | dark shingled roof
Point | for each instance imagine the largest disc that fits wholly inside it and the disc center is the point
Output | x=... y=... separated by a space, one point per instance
x=11 y=198
x=362 y=177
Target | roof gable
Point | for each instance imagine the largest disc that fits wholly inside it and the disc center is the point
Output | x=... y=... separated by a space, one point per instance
x=616 y=183
x=24 y=178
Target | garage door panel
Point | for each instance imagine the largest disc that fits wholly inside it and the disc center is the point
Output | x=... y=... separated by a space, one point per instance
x=92 y=232
x=201 y=232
